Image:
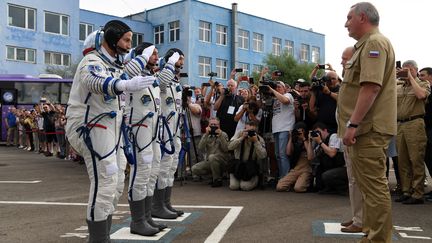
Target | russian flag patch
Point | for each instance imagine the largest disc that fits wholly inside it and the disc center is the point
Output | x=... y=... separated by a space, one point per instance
x=374 y=53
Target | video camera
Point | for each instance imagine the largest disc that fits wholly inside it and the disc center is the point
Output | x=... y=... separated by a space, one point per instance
x=186 y=93
x=319 y=83
x=264 y=89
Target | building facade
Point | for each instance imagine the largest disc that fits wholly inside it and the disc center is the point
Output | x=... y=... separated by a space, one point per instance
x=37 y=34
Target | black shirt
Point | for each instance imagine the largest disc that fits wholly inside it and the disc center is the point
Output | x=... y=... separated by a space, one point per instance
x=227 y=123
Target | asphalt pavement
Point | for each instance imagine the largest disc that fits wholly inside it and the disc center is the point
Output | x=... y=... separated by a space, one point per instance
x=43 y=199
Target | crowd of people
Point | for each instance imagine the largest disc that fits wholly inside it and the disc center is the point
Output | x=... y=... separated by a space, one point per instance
x=331 y=134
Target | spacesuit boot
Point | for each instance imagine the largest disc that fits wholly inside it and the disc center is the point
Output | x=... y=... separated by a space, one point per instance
x=148 y=207
x=109 y=222
x=159 y=210
x=168 y=191
x=98 y=232
x=139 y=224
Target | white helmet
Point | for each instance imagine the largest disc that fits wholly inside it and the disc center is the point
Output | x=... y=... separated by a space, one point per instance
x=93 y=41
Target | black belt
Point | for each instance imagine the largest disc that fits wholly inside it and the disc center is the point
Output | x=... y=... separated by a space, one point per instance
x=410 y=118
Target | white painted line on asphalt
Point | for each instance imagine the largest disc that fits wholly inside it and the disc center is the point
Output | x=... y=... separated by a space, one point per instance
x=19 y=182
x=335 y=229
x=217 y=234
x=220 y=230
x=403 y=228
x=125 y=234
x=405 y=235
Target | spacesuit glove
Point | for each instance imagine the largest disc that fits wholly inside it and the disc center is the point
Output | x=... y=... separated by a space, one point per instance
x=174 y=58
x=135 y=84
x=148 y=52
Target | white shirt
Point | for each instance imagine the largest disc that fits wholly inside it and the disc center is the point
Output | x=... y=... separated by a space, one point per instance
x=283 y=115
x=242 y=122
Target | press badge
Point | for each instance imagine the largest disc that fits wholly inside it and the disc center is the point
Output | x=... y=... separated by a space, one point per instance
x=231 y=110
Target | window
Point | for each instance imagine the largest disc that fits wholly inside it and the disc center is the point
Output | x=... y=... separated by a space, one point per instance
x=258 y=42
x=174 y=31
x=84 y=30
x=221 y=35
x=21 y=54
x=276 y=46
x=221 y=68
x=56 y=23
x=205 y=31
x=257 y=68
x=245 y=67
x=56 y=58
x=289 y=46
x=315 y=54
x=137 y=39
x=21 y=17
x=243 y=39
x=159 y=35
x=304 y=53
x=204 y=66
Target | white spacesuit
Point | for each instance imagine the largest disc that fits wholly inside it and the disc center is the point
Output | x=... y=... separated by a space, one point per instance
x=169 y=136
x=94 y=117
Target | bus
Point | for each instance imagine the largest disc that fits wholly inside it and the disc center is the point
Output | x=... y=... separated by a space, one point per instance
x=23 y=91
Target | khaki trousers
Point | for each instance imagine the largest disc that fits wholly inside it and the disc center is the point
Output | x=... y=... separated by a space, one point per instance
x=368 y=156
x=356 y=200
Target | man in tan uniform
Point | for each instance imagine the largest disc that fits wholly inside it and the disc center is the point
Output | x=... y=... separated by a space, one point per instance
x=367 y=116
x=411 y=138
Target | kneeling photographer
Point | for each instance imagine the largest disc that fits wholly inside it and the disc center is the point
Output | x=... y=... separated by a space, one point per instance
x=249 y=152
x=323 y=100
x=300 y=152
x=328 y=164
x=214 y=144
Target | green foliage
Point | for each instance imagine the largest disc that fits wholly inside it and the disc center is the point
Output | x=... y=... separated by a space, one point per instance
x=291 y=69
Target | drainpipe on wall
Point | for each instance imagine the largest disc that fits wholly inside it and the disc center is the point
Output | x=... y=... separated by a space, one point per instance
x=234 y=41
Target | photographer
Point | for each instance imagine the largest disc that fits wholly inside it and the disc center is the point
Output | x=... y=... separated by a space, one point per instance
x=249 y=149
x=249 y=111
x=300 y=152
x=328 y=162
x=323 y=100
x=227 y=106
x=282 y=122
x=301 y=104
x=214 y=143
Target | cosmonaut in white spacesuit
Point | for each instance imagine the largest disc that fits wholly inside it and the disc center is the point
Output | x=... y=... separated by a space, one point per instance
x=94 y=117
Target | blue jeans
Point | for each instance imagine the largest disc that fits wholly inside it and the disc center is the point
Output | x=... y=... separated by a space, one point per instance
x=281 y=141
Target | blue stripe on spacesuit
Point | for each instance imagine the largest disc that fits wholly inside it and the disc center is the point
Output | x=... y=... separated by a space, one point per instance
x=140 y=63
x=106 y=84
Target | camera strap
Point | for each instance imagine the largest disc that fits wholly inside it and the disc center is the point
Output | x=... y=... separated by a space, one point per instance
x=250 y=151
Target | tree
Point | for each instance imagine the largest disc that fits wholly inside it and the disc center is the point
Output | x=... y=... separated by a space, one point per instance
x=64 y=72
x=292 y=70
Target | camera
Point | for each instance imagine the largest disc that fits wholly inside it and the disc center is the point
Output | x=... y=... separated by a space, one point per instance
x=226 y=91
x=183 y=75
x=212 y=74
x=398 y=65
x=321 y=66
x=206 y=84
x=264 y=89
x=402 y=74
x=213 y=130
x=239 y=70
x=315 y=133
x=319 y=83
x=251 y=133
x=278 y=73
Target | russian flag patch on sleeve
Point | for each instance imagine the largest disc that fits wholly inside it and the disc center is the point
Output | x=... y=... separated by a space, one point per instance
x=374 y=53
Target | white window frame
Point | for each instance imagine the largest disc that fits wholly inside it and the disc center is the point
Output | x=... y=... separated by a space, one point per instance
x=51 y=54
x=61 y=16
x=245 y=67
x=204 y=67
x=174 y=30
x=304 y=53
x=137 y=36
x=258 y=42
x=204 y=31
x=159 y=34
x=315 y=54
x=289 y=46
x=276 y=46
x=221 y=68
x=88 y=30
x=243 y=39
x=27 y=9
x=27 y=50
x=221 y=35
x=256 y=68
